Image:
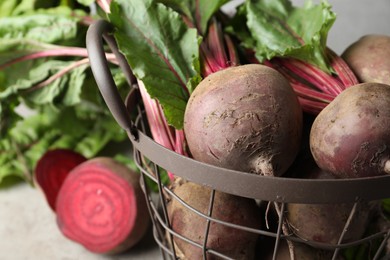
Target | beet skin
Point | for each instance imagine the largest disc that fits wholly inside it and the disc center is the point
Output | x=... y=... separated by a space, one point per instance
x=245 y=118
x=350 y=138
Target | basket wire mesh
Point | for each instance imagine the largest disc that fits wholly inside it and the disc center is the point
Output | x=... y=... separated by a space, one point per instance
x=154 y=160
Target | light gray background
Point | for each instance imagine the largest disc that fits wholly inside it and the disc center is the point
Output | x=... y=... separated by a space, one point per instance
x=27 y=226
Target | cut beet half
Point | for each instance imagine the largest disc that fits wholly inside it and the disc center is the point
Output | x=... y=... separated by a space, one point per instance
x=52 y=169
x=102 y=207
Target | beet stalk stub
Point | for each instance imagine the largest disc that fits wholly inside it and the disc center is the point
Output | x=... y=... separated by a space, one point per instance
x=245 y=118
x=101 y=206
x=52 y=169
x=350 y=138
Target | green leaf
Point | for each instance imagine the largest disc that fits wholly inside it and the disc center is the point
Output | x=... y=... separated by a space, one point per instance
x=280 y=29
x=23 y=144
x=72 y=93
x=160 y=49
x=12 y=48
x=62 y=89
x=7 y=7
x=86 y=2
x=199 y=12
x=46 y=28
x=69 y=110
x=206 y=9
x=50 y=128
x=100 y=134
x=19 y=7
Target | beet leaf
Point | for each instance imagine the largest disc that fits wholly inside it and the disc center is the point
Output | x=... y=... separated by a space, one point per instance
x=280 y=29
x=199 y=12
x=44 y=70
x=161 y=50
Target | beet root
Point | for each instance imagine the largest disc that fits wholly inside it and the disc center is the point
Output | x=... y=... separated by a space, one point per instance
x=369 y=58
x=101 y=206
x=232 y=242
x=325 y=222
x=245 y=118
x=52 y=169
x=350 y=138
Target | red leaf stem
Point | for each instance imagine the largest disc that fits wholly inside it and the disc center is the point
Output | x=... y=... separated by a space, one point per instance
x=162 y=133
x=344 y=72
x=310 y=106
x=156 y=120
x=232 y=52
x=58 y=75
x=62 y=51
x=209 y=66
x=216 y=45
x=323 y=81
x=105 y=5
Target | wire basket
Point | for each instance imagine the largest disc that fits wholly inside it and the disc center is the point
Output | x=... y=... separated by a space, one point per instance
x=154 y=160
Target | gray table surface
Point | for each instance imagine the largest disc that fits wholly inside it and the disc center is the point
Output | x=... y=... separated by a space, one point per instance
x=27 y=226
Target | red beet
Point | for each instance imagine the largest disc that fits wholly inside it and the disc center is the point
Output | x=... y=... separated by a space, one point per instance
x=232 y=242
x=369 y=58
x=101 y=206
x=245 y=118
x=350 y=138
x=52 y=169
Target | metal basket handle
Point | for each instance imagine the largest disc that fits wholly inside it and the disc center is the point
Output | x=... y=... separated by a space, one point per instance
x=101 y=72
x=278 y=189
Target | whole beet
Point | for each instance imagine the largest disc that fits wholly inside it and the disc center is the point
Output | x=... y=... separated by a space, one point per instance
x=234 y=243
x=369 y=58
x=350 y=137
x=325 y=222
x=244 y=118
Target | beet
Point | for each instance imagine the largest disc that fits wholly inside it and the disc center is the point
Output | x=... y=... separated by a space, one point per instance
x=350 y=138
x=325 y=222
x=101 y=206
x=369 y=58
x=52 y=169
x=232 y=242
x=245 y=118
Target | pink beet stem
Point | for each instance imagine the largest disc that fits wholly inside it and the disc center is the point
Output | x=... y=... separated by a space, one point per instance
x=215 y=45
x=310 y=106
x=233 y=57
x=323 y=81
x=60 y=51
x=344 y=72
x=307 y=93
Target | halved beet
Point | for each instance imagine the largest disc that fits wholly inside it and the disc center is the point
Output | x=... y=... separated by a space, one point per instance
x=52 y=169
x=102 y=207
